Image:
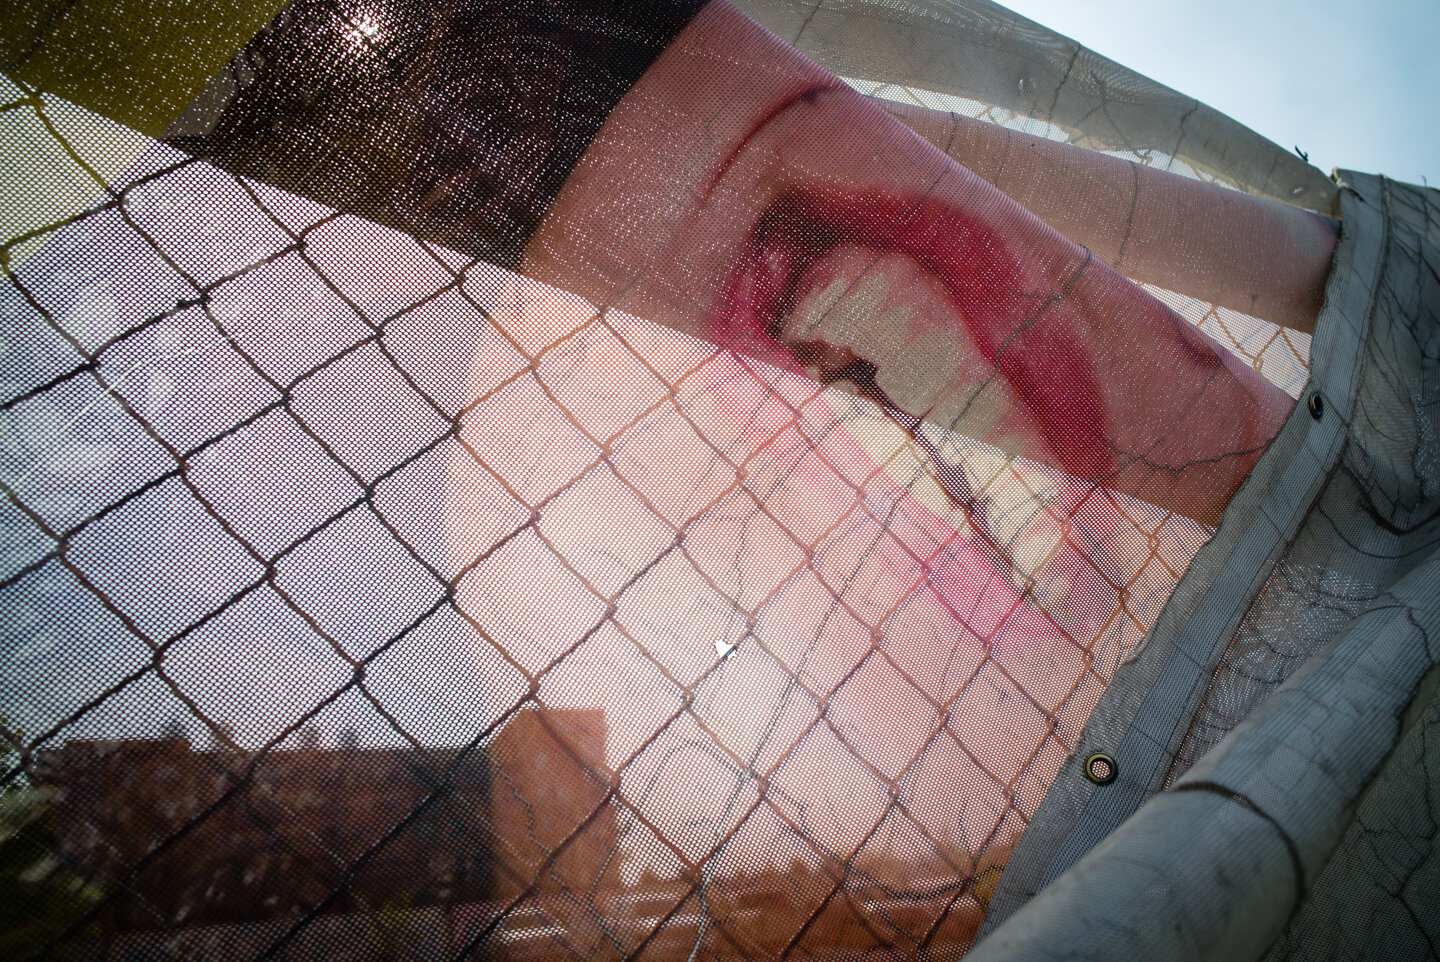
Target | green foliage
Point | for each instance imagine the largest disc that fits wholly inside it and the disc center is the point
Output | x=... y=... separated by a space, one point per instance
x=40 y=896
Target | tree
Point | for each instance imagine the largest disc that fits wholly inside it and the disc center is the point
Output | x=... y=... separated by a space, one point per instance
x=40 y=894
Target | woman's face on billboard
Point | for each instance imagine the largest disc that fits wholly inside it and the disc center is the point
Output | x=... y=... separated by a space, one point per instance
x=892 y=586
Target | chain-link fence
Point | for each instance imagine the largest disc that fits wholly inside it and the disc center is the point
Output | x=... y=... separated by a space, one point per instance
x=368 y=601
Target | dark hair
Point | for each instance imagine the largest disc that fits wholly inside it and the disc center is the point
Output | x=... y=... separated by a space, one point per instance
x=457 y=122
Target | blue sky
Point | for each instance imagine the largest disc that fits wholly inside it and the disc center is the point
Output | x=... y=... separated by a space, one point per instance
x=1349 y=84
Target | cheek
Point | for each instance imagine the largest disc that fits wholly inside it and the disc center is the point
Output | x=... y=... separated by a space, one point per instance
x=717 y=500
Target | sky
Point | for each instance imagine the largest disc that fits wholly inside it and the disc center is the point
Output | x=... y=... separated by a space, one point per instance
x=1349 y=85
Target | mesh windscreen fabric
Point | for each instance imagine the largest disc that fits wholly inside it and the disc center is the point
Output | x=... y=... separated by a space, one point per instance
x=1375 y=897
x=366 y=598
x=1371 y=523
x=1304 y=698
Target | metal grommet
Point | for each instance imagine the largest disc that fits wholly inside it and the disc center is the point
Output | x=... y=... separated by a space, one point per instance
x=1101 y=769
x=1316 y=405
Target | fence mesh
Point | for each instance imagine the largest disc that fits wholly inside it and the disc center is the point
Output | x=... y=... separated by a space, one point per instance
x=369 y=601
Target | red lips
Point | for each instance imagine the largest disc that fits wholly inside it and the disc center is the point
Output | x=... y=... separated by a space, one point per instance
x=1017 y=323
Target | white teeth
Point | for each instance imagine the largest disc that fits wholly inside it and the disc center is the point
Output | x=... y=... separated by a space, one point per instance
x=917 y=365
x=976 y=410
x=1010 y=498
x=1016 y=512
x=918 y=371
x=915 y=371
x=890 y=445
x=842 y=313
x=980 y=463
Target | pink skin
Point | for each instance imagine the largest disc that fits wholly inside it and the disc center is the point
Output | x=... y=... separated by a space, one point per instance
x=897 y=578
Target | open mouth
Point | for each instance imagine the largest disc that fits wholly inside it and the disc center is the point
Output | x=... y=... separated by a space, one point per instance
x=981 y=348
x=907 y=303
